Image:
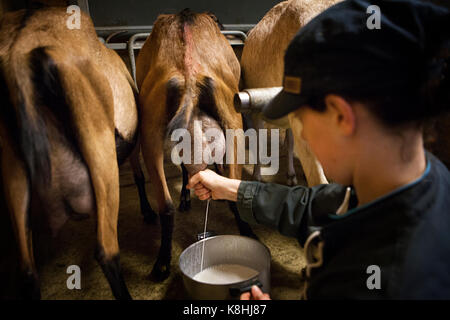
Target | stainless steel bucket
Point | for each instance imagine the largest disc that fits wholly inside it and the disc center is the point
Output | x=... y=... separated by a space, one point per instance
x=225 y=249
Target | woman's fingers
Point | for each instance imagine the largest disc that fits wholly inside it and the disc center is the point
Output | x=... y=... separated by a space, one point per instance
x=258 y=294
x=199 y=181
x=245 y=296
x=199 y=186
x=205 y=196
x=199 y=189
x=195 y=179
x=202 y=191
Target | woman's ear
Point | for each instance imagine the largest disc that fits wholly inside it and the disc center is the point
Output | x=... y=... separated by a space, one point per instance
x=343 y=115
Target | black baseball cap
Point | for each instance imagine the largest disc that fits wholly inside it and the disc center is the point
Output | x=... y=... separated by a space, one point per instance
x=337 y=52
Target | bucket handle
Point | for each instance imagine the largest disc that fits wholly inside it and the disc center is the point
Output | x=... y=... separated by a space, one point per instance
x=209 y=234
x=246 y=286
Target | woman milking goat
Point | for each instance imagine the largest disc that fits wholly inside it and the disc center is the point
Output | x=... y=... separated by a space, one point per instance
x=362 y=95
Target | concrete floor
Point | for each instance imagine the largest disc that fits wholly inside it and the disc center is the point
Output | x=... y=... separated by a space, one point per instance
x=139 y=244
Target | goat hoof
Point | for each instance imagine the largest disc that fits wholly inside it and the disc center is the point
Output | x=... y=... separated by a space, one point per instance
x=160 y=272
x=292 y=180
x=185 y=205
x=30 y=289
x=125 y=295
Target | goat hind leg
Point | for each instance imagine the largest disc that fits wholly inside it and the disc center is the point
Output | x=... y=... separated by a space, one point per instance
x=139 y=179
x=154 y=161
x=17 y=198
x=107 y=251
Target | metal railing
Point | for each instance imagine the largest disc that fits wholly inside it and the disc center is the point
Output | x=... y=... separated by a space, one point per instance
x=133 y=44
x=131 y=47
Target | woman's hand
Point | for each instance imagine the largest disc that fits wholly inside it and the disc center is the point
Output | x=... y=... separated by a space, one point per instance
x=207 y=184
x=256 y=294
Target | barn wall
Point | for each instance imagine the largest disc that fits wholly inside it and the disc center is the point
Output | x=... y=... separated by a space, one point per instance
x=57 y=3
x=11 y=5
x=143 y=12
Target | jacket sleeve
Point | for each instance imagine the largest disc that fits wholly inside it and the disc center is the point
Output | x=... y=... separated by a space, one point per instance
x=293 y=211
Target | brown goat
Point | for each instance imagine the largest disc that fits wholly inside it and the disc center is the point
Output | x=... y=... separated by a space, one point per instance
x=262 y=65
x=70 y=116
x=186 y=71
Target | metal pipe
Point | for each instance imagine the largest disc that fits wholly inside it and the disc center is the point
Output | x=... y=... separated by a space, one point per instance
x=112 y=35
x=252 y=102
x=240 y=34
x=131 y=52
x=131 y=46
x=241 y=27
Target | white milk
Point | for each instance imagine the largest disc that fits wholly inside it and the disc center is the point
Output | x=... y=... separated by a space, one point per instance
x=225 y=274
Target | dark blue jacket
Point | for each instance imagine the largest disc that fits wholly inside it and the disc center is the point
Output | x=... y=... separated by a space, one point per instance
x=405 y=233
